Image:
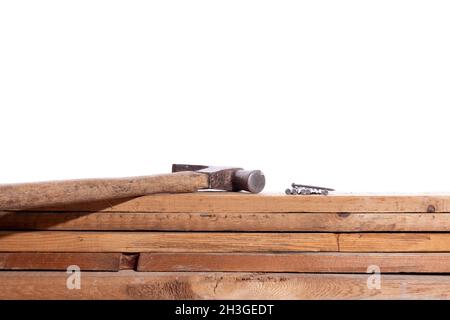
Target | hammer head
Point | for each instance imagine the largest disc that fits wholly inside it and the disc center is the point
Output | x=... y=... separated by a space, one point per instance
x=228 y=178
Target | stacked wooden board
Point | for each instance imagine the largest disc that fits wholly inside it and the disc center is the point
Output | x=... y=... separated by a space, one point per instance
x=217 y=245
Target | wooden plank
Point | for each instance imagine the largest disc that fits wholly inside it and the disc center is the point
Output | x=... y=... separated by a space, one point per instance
x=134 y=242
x=60 y=261
x=316 y=222
x=66 y=241
x=187 y=285
x=215 y=202
x=296 y=262
x=394 y=242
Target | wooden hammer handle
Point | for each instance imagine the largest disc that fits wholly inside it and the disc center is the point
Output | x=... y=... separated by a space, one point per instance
x=42 y=194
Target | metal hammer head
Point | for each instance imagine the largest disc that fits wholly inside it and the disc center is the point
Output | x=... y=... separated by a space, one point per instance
x=228 y=178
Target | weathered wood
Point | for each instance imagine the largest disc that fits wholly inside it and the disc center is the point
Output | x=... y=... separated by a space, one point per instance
x=60 y=261
x=296 y=262
x=215 y=202
x=394 y=242
x=168 y=285
x=66 y=241
x=28 y=195
x=315 y=222
x=128 y=261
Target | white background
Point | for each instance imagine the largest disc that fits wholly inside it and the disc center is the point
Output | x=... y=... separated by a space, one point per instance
x=347 y=94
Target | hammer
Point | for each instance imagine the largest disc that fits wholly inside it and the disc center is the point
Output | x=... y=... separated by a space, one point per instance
x=184 y=178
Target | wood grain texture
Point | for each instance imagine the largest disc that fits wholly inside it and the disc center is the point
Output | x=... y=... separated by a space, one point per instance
x=296 y=262
x=394 y=242
x=238 y=202
x=148 y=221
x=168 y=285
x=216 y=202
x=134 y=242
x=28 y=195
x=60 y=261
